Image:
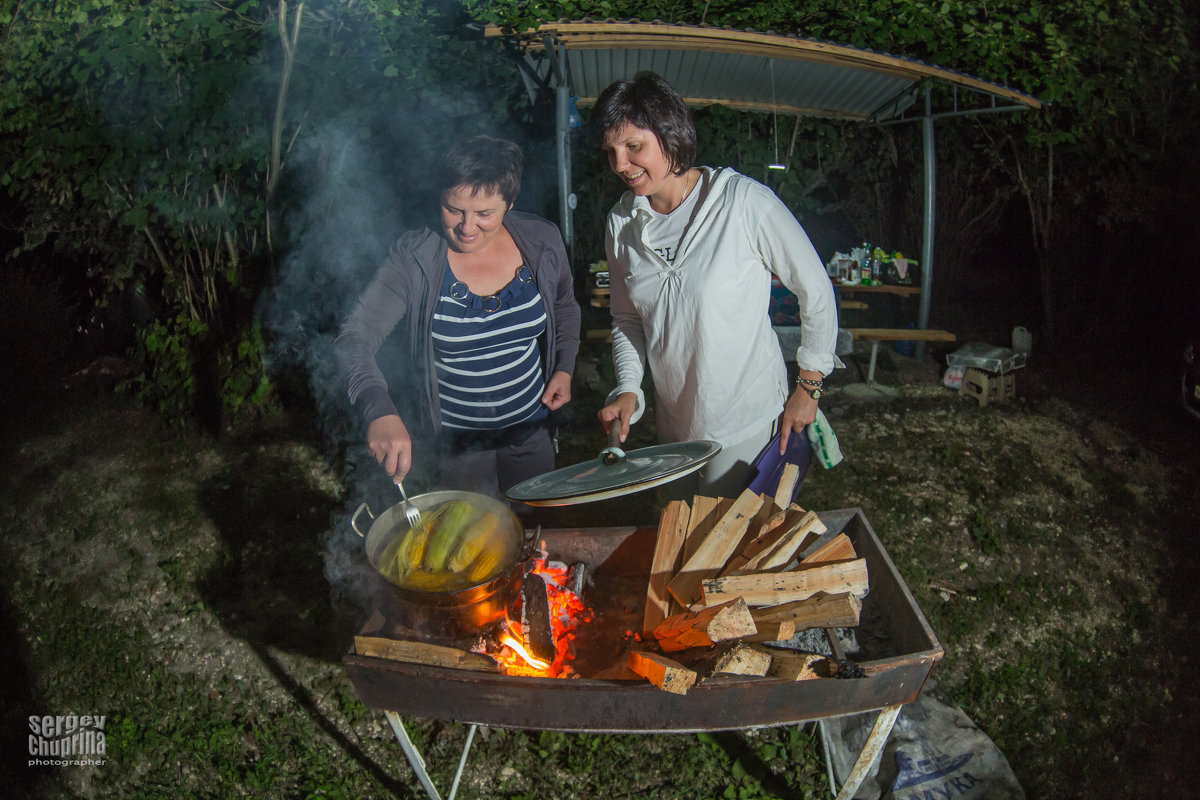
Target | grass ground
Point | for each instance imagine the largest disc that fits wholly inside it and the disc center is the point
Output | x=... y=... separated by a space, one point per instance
x=177 y=585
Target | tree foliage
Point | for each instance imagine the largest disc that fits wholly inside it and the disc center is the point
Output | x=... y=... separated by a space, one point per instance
x=1118 y=78
x=183 y=155
x=143 y=144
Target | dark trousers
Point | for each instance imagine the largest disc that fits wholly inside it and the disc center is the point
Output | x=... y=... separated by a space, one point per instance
x=491 y=463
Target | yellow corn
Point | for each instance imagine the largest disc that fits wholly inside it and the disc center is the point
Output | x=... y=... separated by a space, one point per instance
x=412 y=549
x=481 y=534
x=426 y=581
x=485 y=565
x=453 y=519
x=387 y=560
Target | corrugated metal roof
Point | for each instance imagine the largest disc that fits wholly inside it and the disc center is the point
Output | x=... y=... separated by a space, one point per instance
x=747 y=70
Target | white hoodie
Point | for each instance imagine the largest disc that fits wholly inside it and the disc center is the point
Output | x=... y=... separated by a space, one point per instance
x=701 y=322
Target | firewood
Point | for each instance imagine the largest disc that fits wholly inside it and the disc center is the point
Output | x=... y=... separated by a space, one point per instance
x=793 y=666
x=535 y=618
x=792 y=540
x=704 y=515
x=766 y=513
x=422 y=653
x=819 y=611
x=787 y=485
x=672 y=528
x=779 y=631
x=776 y=526
x=774 y=588
x=839 y=548
x=712 y=553
x=728 y=658
x=719 y=623
x=665 y=673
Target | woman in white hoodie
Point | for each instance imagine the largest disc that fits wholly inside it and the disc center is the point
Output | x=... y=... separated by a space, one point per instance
x=691 y=251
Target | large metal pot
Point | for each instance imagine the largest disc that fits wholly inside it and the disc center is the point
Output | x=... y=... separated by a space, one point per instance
x=459 y=612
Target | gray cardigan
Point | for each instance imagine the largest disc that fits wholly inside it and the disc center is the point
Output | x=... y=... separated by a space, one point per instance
x=406 y=288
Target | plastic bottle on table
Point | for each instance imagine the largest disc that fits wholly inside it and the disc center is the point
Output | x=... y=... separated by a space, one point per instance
x=877 y=259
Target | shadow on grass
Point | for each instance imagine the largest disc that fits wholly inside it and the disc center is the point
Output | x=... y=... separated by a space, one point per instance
x=740 y=752
x=17 y=704
x=270 y=589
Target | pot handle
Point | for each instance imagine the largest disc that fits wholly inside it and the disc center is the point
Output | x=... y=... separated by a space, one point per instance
x=354 y=519
x=530 y=540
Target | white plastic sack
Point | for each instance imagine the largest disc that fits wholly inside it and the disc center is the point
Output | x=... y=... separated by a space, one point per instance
x=935 y=752
x=824 y=442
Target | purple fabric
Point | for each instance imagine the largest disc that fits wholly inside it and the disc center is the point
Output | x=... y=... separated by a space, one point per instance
x=767 y=469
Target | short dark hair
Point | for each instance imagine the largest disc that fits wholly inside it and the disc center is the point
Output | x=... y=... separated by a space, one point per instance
x=651 y=103
x=484 y=163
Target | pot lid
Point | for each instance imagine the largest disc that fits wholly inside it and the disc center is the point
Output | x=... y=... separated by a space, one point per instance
x=615 y=473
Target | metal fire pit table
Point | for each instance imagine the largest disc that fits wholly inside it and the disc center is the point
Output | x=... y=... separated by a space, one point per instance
x=897 y=652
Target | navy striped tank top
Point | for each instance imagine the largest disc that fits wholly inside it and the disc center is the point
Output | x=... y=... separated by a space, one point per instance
x=485 y=350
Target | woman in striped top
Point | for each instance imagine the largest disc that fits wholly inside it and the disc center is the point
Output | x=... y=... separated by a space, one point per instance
x=492 y=330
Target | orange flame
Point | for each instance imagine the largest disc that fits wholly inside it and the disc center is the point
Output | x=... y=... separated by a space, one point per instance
x=566 y=612
x=519 y=649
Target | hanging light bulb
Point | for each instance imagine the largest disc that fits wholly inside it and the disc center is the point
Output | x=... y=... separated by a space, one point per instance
x=775 y=125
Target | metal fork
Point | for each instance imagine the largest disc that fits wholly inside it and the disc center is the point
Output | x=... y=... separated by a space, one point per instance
x=411 y=512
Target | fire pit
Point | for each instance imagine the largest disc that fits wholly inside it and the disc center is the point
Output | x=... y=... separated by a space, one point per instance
x=899 y=654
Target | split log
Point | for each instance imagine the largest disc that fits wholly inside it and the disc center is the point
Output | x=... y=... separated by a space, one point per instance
x=819 y=611
x=787 y=545
x=839 y=548
x=535 y=618
x=704 y=515
x=672 y=528
x=422 y=653
x=787 y=485
x=779 y=631
x=663 y=672
x=777 y=525
x=765 y=514
x=793 y=666
x=714 y=624
x=729 y=658
x=716 y=548
x=774 y=588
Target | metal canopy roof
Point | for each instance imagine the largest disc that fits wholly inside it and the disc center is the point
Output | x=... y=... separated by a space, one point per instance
x=749 y=71
x=744 y=70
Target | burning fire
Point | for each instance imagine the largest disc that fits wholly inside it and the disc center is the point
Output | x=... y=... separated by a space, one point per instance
x=566 y=612
x=530 y=660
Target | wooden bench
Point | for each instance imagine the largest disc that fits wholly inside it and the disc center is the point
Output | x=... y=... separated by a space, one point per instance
x=877 y=335
x=885 y=288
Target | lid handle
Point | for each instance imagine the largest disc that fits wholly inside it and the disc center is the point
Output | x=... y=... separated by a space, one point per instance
x=613 y=454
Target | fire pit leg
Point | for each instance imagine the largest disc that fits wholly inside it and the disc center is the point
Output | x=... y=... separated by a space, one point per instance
x=462 y=761
x=418 y=763
x=869 y=754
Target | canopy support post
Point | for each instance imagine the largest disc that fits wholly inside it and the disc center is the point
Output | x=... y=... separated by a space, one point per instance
x=562 y=140
x=930 y=217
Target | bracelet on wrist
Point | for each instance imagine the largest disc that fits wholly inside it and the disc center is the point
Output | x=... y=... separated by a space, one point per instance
x=809 y=382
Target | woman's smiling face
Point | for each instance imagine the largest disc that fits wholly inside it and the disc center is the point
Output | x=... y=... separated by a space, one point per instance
x=637 y=157
x=471 y=221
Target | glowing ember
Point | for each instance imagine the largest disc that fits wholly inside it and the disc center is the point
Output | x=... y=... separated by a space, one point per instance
x=566 y=612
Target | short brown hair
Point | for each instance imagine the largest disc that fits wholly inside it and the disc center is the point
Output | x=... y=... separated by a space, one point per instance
x=649 y=102
x=484 y=163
